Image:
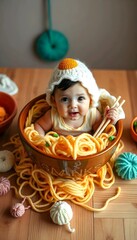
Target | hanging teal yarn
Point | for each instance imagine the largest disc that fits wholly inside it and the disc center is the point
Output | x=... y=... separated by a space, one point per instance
x=126 y=165
x=52 y=45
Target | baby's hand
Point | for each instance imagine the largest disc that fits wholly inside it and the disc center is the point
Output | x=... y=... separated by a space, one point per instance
x=112 y=114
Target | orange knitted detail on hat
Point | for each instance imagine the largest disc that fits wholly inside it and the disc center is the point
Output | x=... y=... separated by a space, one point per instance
x=67 y=63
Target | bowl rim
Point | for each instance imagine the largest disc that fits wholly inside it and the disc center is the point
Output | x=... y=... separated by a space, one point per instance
x=119 y=125
x=132 y=126
x=14 y=111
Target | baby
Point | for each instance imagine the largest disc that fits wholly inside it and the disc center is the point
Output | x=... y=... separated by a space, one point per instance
x=74 y=97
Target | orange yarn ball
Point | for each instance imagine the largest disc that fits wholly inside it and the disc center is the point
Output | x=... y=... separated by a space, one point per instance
x=2 y=114
x=67 y=63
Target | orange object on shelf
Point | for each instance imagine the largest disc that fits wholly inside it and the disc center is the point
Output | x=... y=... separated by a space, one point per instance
x=133 y=130
x=3 y=114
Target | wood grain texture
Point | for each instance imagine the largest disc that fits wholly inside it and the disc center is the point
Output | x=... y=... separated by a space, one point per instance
x=119 y=220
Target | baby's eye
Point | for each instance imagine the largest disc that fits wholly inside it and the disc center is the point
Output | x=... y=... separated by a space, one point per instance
x=64 y=100
x=81 y=98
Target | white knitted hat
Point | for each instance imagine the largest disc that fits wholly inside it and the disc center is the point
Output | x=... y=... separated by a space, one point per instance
x=75 y=71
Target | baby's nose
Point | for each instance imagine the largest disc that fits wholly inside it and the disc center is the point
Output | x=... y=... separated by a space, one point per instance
x=73 y=103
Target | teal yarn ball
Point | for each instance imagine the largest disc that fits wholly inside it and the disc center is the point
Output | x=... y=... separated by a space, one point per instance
x=126 y=165
x=52 y=45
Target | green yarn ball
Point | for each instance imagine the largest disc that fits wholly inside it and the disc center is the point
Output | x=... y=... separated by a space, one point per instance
x=52 y=45
x=126 y=165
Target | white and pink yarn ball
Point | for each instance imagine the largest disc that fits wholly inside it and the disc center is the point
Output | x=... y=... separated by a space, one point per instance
x=4 y=185
x=18 y=209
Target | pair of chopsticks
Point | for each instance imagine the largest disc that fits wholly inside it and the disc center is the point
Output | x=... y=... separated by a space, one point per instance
x=106 y=121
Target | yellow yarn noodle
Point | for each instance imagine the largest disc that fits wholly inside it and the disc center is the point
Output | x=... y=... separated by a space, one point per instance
x=64 y=146
x=68 y=146
x=42 y=189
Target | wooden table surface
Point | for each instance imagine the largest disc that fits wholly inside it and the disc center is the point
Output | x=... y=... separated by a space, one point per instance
x=119 y=220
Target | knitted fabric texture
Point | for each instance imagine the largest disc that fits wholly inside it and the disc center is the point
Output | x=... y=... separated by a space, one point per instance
x=67 y=63
x=52 y=45
x=73 y=70
x=126 y=165
x=7 y=85
x=4 y=185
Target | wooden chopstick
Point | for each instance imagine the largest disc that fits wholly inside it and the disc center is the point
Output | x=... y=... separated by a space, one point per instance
x=105 y=122
x=108 y=121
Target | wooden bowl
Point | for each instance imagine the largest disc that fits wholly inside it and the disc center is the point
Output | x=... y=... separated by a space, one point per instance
x=132 y=130
x=10 y=105
x=66 y=167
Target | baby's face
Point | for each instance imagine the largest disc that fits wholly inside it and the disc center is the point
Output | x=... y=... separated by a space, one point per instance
x=73 y=103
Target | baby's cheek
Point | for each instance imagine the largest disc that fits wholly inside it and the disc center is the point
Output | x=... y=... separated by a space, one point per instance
x=62 y=110
x=84 y=110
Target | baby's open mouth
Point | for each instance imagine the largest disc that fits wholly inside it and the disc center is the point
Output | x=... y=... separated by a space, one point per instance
x=73 y=114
